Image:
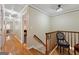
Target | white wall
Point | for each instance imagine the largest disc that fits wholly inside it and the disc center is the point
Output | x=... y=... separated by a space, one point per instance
x=38 y=25
x=66 y=22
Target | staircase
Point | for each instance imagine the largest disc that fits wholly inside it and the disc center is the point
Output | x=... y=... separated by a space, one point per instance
x=42 y=45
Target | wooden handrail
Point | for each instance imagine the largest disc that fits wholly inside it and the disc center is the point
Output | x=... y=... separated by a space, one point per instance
x=71 y=36
x=62 y=31
x=39 y=40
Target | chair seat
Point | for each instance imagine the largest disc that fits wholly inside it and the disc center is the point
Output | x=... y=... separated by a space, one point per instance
x=63 y=43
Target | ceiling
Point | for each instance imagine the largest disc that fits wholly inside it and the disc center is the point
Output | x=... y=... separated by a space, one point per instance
x=16 y=7
x=50 y=9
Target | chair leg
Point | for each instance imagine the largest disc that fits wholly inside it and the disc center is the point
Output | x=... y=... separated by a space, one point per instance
x=74 y=51
x=60 y=49
x=68 y=50
x=63 y=50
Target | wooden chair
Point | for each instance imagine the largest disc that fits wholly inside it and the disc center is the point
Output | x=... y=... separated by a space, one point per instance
x=76 y=48
x=62 y=42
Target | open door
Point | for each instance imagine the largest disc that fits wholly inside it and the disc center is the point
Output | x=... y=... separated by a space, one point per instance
x=25 y=25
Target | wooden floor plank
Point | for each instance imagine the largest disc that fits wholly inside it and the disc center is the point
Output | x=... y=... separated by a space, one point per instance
x=35 y=52
x=14 y=46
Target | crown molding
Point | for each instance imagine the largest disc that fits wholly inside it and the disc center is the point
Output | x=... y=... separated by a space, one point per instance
x=40 y=10
x=44 y=12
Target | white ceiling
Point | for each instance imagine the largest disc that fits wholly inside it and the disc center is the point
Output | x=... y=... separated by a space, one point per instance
x=50 y=9
x=16 y=7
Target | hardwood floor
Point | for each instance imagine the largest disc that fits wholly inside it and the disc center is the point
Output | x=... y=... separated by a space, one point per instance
x=56 y=52
x=15 y=47
x=35 y=52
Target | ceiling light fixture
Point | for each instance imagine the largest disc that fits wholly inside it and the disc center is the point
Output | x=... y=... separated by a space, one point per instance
x=59 y=8
x=12 y=10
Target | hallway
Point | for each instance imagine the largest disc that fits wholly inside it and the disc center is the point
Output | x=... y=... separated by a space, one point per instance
x=32 y=29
